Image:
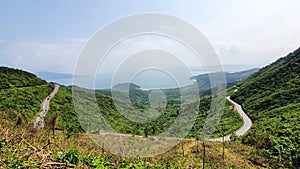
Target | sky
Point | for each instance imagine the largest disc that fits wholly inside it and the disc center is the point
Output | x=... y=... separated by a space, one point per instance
x=48 y=36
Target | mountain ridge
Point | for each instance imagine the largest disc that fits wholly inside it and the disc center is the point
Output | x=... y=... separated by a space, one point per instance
x=204 y=81
x=14 y=78
x=271 y=98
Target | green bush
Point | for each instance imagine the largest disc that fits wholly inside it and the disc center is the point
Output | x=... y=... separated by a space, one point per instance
x=71 y=156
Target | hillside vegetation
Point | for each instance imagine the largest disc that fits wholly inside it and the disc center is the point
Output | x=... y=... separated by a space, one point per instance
x=62 y=104
x=21 y=92
x=24 y=100
x=15 y=78
x=27 y=98
x=22 y=146
x=271 y=98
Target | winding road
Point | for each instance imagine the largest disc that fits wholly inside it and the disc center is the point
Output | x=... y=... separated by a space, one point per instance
x=241 y=131
x=39 y=120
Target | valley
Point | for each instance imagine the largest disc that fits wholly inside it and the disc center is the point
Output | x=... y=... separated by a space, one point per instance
x=259 y=127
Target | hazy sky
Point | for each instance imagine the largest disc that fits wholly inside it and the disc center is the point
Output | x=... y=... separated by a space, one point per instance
x=48 y=35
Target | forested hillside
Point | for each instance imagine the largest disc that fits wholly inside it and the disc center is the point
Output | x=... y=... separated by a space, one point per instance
x=26 y=92
x=21 y=92
x=15 y=78
x=62 y=104
x=271 y=98
x=23 y=100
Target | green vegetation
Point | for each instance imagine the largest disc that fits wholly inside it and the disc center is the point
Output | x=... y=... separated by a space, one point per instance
x=26 y=100
x=139 y=98
x=271 y=98
x=23 y=100
x=15 y=78
x=25 y=147
x=62 y=105
x=230 y=122
x=21 y=92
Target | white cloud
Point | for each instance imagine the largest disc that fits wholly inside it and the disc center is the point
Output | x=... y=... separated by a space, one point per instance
x=76 y=40
x=37 y=56
x=18 y=59
x=261 y=30
x=252 y=32
x=148 y=42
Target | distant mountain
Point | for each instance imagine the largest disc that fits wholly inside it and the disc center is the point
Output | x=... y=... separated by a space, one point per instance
x=125 y=86
x=226 y=68
x=52 y=75
x=204 y=81
x=271 y=98
x=60 y=78
x=12 y=78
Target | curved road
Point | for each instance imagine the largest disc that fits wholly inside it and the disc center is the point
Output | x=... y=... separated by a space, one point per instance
x=39 y=121
x=241 y=131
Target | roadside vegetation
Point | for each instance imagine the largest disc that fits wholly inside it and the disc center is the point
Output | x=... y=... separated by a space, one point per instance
x=271 y=98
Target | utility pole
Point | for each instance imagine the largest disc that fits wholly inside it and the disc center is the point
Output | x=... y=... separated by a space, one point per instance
x=203 y=162
x=197 y=140
x=223 y=144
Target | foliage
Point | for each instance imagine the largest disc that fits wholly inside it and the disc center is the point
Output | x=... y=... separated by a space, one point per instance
x=20 y=148
x=96 y=162
x=15 y=78
x=71 y=156
x=271 y=98
x=21 y=92
x=231 y=121
x=27 y=100
x=26 y=147
x=62 y=104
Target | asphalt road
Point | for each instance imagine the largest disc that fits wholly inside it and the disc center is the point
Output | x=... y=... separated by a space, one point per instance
x=241 y=131
x=39 y=120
